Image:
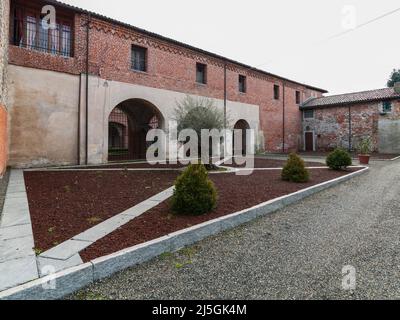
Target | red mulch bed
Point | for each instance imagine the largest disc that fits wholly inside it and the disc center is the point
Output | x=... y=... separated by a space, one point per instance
x=235 y=193
x=374 y=156
x=64 y=204
x=270 y=163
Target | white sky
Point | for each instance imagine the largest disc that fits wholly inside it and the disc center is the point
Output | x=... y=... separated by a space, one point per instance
x=281 y=36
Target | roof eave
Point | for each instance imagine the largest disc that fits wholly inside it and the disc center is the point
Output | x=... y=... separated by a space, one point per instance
x=163 y=38
x=331 y=105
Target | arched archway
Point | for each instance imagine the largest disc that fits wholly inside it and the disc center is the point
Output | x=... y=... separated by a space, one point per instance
x=128 y=125
x=244 y=126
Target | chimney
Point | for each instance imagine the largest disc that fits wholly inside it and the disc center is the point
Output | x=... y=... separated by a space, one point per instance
x=397 y=87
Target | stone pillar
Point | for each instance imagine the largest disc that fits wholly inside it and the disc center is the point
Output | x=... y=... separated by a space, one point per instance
x=4 y=27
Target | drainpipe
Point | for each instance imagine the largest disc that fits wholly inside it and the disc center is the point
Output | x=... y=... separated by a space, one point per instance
x=283 y=122
x=87 y=90
x=79 y=121
x=225 y=94
x=350 y=130
x=225 y=106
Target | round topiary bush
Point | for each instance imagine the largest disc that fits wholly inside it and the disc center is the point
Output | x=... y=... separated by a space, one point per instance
x=194 y=193
x=338 y=159
x=295 y=170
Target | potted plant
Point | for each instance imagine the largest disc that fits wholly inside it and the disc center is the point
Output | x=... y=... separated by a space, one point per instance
x=364 y=151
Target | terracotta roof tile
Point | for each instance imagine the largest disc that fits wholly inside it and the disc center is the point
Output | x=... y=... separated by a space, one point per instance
x=155 y=35
x=356 y=97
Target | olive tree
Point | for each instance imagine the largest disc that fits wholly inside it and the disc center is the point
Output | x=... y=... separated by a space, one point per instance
x=198 y=114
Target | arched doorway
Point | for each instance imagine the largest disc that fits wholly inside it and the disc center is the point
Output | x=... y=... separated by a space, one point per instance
x=128 y=125
x=244 y=126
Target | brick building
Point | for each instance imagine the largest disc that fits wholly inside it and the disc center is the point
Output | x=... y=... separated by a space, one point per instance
x=65 y=84
x=344 y=120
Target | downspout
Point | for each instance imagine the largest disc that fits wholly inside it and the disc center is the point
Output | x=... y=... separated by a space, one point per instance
x=87 y=91
x=225 y=95
x=79 y=121
x=225 y=107
x=350 y=131
x=283 y=122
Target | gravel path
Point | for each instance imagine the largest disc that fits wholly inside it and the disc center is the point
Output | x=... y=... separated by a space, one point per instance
x=295 y=253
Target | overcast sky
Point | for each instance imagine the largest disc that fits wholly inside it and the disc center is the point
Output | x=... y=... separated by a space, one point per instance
x=285 y=37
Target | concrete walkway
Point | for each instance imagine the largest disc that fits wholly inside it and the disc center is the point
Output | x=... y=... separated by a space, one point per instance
x=17 y=257
x=296 y=253
x=18 y=261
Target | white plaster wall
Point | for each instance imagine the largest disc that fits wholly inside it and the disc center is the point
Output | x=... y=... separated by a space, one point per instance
x=43 y=117
x=105 y=95
x=43 y=110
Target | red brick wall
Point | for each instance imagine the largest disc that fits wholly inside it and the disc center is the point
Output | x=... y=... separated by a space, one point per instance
x=331 y=124
x=173 y=68
x=3 y=139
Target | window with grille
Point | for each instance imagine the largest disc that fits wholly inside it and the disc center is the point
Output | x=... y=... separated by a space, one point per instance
x=308 y=114
x=242 y=84
x=387 y=106
x=201 y=73
x=28 y=32
x=139 y=58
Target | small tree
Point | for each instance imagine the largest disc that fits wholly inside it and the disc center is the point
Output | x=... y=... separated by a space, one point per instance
x=199 y=114
x=338 y=159
x=194 y=193
x=295 y=170
x=394 y=77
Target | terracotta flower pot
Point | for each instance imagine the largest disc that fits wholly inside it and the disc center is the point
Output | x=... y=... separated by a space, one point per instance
x=364 y=158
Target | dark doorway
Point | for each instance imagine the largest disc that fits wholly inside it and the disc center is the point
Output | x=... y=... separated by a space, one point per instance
x=309 y=140
x=244 y=126
x=128 y=126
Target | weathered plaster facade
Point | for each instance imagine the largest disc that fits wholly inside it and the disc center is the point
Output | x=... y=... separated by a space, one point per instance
x=43 y=110
x=4 y=21
x=44 y=113
x=331 y=126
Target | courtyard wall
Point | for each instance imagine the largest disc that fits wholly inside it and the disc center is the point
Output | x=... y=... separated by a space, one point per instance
x=4 y=21
x=331 y=126
x=170 y=74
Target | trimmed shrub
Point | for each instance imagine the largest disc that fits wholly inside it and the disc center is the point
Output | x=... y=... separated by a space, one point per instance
x=194 y=193
x=295 y=170
x=338 y=159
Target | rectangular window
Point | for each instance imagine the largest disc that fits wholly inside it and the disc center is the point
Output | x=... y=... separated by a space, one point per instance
x=28 y=32
x=201 y=73
x=242 y=84
x=387 y=106
x=276 y=92
x=139 y=58
x=308 y=114
x=298 y=97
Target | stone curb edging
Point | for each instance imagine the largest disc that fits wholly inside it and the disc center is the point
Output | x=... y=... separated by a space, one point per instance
x=324 y=157
x=73 y=279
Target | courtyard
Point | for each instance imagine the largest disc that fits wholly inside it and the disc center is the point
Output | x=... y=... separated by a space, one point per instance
x=99 y=101
x=295 y=253
x=68 y=217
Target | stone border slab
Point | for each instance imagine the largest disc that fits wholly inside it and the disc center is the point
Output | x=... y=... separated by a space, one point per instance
x=73 y=279
x=70 y=248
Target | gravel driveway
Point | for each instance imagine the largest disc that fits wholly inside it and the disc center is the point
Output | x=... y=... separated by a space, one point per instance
x=295 y=253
